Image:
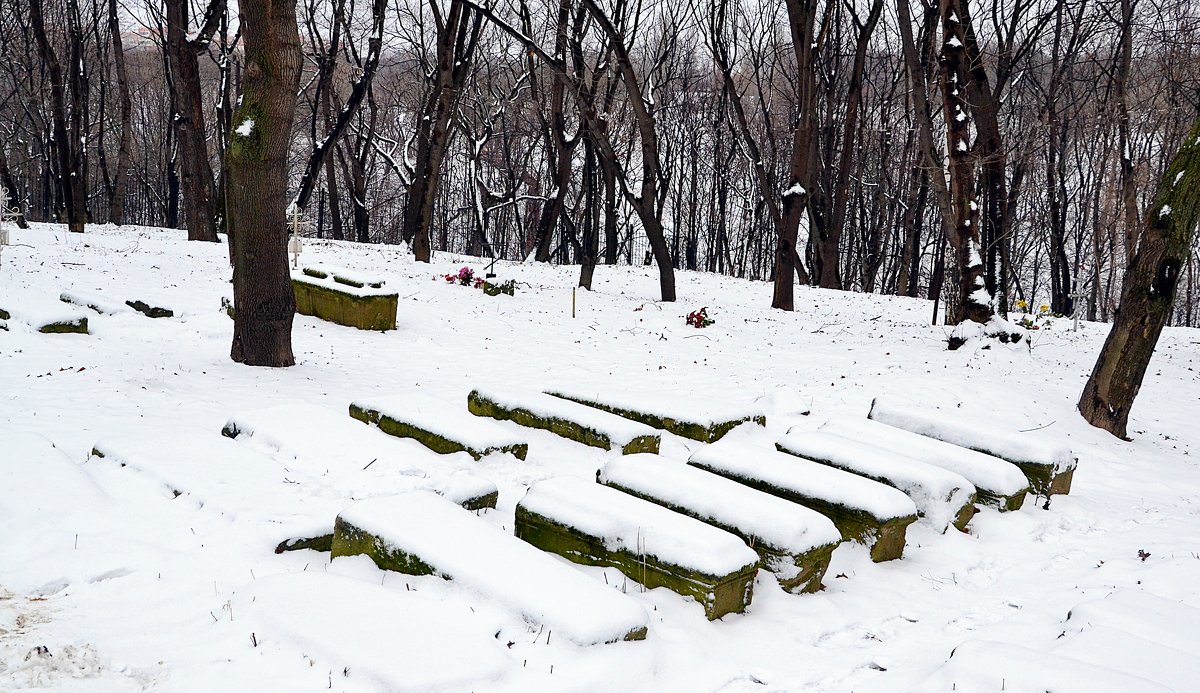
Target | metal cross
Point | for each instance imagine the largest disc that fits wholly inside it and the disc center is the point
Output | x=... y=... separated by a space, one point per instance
x=294 y=245
x=1076 y=297
x=7 y=215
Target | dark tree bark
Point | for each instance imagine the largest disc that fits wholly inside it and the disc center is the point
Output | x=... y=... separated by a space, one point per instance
x=183 y=65
x=1148 y=294
x=257 y=192
x=116 y=209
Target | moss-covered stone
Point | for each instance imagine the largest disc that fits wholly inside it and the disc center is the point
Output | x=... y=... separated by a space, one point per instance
x=1043 y=480
x=227 y=307
x=433 y=441
x=374 y=312
x=77 y=326
x=4 y=315
x=323 y=542
x=884 y=537
x=349 y=540
x=480 y=405
x=149 y=310
x=797 y=572
x=686 y=429
x=1002 y=503
x=718 y=594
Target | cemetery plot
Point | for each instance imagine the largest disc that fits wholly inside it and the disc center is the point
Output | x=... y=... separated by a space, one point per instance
x=438 y=426
x=997 y=483
x=41 y=314
x=979 y=665
x=565 y=418
x=95 y=301
x=1048 y=465
x=704 y=421
x=355 y=459
x=386 y=639
x=942 y=497
x=345 y=298
x=863 y=510
x=792 y=541
x=595 y=525
x=421 y=534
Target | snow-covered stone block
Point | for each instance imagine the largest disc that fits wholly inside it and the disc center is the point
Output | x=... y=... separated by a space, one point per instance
x=1049 y=465
x=942 y=497
x=998 y=483
x=863 y=510
x=705 y=421
x=792 y=541
x=595 y=525
x=353 y=458
x=1167 y=664
x=565 y=418
x=979 y=666
x=151 y=309
x=93 y=300
x=341 y=297
x=422 y=534
x=1166 y=621
x=436 y=425
x=43 y=315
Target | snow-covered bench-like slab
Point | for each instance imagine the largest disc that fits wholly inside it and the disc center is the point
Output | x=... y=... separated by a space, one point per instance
x=998 y=483
x=436 y=425
x=421 y=534
x=339 y=296
x=385 y=639
x=698 y=420
x=595 y=525
x=1142 y=614
x=93 y=300
x=353 y=458
x=45 y=316
x=977 y=666
x=863 y=510
x=232 y=480
x=942 y=497
x=1048 y=465
x=1168 y=664
x=792 y=541
x=572 y=420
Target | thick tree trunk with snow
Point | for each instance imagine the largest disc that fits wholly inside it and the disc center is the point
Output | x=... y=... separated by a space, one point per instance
x=1148 y=294
x=116 y=211
x=257 y=193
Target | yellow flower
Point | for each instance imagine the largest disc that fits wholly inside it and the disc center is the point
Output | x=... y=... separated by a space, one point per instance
x=1021 y=304
x=1043 y=308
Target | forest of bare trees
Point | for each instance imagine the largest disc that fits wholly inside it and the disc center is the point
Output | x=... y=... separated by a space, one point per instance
x=902 y=147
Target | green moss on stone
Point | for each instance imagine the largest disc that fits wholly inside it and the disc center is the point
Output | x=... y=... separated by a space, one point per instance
x=1002 y=503
x=76 y=326
x=323 y=542
x=797 y=572
x=4 y=315
x=686 y=429
x=438 y=443
x=885 y=538
x=479 y=405
x=364 y=312
x=349 y=540
x=149 y=310
x=487 y=500
x=718 y=594
x=1042 y=479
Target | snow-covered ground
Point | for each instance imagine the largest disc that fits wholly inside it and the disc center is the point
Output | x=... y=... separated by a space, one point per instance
x=113 y=579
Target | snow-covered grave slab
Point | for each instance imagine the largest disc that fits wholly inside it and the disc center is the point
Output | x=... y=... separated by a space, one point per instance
x=437 y=425
x=980 y=666
x=95 y=301
x=571 y=420
x=942 y=497
x=387 y=640
x=42 y=314
x=792 y=541
x=356 y=459
x=998 y=483
x=863 y=510
x=595 y=525
x=701 y=420
x=345 y=298
x=1142 y=614
x=38 y=481
x=421 y=534
x=1047 y=464
x=232 y=480
x=1102 y=646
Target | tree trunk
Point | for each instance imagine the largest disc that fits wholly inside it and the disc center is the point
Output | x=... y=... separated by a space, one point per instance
x=257 y=160
x=1148 y=294
x=116 y=210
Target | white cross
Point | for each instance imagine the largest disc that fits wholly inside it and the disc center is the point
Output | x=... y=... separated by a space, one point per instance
x=7 y=215
x=294 y=245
